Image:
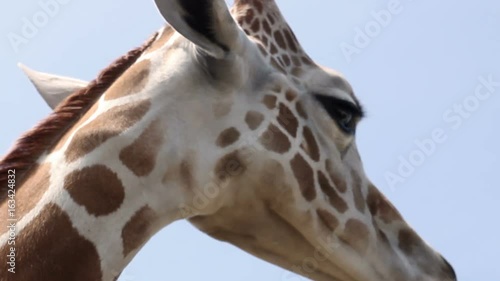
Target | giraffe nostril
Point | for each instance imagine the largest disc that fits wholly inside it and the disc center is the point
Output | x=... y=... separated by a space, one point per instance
x=449 y=270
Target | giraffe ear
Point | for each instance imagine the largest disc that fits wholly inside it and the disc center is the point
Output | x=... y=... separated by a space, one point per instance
x=206 y=23
x=53 y=88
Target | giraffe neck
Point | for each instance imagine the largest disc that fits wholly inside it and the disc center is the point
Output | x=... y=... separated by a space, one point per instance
x=86 y=206
x=79 y=209
x=124 y=170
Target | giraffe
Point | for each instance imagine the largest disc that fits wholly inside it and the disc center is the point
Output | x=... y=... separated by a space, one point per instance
x=221 y=120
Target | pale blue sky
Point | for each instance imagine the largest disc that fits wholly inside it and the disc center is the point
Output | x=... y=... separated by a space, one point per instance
x=427 y=59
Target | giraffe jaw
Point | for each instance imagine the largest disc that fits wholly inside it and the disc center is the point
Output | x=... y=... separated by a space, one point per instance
x=259 y=224
x=264 y=233
x=270 y=237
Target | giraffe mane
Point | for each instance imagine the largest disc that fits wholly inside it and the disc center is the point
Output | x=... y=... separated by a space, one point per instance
x=32 y=144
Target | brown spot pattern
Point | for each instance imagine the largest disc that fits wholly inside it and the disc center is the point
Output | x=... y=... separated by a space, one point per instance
x=255 y=26
x=229 y=166
x=380 y=206
x=275 y=140
x=305 y=177
x=227 y=137
x=287 y=120
x=329 y=220
x=335 y=200
x=300 y=110
x=356 y=234
x=254 y=119
x=104 y=127
x=359 y=200
x=278 y=37
x=138 y=229
x=290 y=95
x=290 y=39
x=48 y=258
x=82 y=120
x=96 y=188
x=28 y=194
x=408 y=240
x=266 y=27
x=42 y=137
x=131 y=82
x=273 y=49
x=269 y=101
x=249 y=16
x=271 y=19
x=306 y=60
x=286 y=60
x=258 y=5
x=277 y=65
x=140 y=156
x=265 y=41
x=309 y=145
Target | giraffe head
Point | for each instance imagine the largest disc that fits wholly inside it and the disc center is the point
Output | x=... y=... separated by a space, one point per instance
x=289 y=185
x=226 y=121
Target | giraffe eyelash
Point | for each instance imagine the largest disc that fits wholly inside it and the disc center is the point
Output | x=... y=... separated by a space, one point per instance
x=346 y=114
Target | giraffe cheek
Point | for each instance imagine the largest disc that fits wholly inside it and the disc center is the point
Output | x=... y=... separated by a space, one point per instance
x=271 y=180
x=305 y=177
x=229 y=167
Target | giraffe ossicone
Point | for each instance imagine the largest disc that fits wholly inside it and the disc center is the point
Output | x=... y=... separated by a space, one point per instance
x=221 y=119
x=53 y=88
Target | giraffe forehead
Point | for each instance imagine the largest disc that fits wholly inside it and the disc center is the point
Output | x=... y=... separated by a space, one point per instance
x=264 y=24
x=279 y=45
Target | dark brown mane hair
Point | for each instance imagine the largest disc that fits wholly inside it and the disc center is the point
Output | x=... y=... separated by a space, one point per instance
x=30 y=146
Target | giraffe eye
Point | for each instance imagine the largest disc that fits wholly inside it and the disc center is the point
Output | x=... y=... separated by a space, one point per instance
x=345 y=113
